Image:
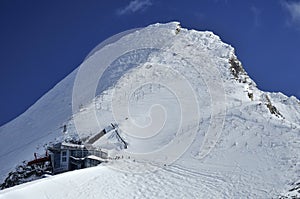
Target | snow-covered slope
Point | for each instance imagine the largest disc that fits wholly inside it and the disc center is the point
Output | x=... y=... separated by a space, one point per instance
x=39 y=125
x=195 y=123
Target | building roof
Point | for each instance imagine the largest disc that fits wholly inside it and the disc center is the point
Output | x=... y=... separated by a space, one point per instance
x=96 y=158
x=65 y=145
x=72 y=145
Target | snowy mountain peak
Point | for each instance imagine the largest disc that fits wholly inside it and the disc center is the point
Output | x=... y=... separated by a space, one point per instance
x=174 y=101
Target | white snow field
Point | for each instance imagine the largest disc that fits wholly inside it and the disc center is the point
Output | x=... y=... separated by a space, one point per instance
x=195 y=123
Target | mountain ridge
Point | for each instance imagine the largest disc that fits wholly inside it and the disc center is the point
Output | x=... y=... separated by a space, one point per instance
x=255 y=122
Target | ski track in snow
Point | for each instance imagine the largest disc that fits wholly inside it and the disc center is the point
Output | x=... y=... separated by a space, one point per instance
x=164 y=182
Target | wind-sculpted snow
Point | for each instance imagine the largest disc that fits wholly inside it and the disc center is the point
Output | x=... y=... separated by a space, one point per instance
x=194 y=126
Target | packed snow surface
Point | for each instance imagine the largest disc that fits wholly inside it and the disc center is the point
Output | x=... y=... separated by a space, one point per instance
x=195 y=127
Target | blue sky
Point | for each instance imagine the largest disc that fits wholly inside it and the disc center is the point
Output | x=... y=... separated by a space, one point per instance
x=43 y=41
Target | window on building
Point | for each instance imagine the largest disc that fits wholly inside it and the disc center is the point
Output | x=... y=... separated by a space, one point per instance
x=64 y=153
x=64 y=159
